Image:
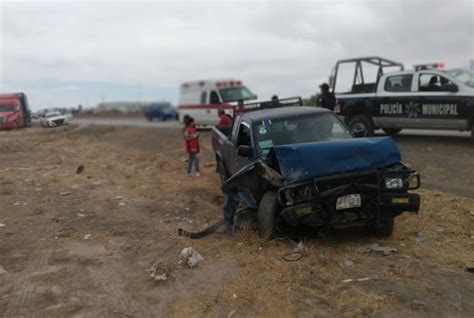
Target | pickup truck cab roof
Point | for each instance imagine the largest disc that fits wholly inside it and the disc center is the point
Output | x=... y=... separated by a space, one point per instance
x=283 y=112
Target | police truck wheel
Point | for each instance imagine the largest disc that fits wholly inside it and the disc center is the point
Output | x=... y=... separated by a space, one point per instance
x=386 y=228
x=391 y=131
x=266 y=214
x=361 y=126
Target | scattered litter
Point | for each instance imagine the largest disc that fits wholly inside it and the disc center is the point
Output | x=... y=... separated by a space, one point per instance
x=97 y=183
x=348 y=263
x=82 y=210
x=191 y=256
x=122 y=203
x=356 y=280
x=119 y=197
x=374 y=247
x=80 y=169
x=81 y=215
x=321 y=254
x=2 y=270
x=470 y=270
x=186 y=209
x=418 y=303
x=16 y=203
x=418 y=237
x=38 y=189
x=158 y=271
x=65 y=193
x=298 y=252
x=2 y=224
x=439 y=228
x=234 y=296
x=87 y=236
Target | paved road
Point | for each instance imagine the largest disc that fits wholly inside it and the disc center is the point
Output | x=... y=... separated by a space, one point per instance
x=132 y=122
x=138 y=122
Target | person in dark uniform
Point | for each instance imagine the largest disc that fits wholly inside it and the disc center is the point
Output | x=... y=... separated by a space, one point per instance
x=326 y=99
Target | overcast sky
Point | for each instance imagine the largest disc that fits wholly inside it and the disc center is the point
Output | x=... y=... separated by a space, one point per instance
x=65 y=54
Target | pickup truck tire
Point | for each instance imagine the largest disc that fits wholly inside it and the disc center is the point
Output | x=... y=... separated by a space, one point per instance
x=266 y=214
x=361 y=126
x=391 y=131
x=386 y=228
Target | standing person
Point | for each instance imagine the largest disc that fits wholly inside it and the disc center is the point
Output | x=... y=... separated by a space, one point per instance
x=326 y=99
x=191 y=136
x=275 y=101
x=224 y=119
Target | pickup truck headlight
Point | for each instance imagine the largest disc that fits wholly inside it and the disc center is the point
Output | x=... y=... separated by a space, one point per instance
x=393 y=183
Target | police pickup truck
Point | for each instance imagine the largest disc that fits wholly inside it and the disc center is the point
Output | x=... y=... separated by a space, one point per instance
x=302 y=166
x=426 y=97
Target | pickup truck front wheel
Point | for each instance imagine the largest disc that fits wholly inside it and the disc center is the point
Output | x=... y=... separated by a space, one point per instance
x=361 y=126
x=266 y=214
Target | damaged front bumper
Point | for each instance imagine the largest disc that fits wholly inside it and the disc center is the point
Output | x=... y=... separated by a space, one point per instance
x=315 y=203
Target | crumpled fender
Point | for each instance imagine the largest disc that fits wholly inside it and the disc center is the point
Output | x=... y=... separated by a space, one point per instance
x=247 y=180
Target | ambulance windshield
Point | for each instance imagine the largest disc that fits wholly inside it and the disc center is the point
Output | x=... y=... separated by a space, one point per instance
x=233 y=94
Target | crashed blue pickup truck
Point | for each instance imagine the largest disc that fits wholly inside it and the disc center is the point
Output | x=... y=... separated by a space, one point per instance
x=302 y=166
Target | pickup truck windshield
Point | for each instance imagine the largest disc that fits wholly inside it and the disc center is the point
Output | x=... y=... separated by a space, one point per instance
x=7 y=108
x=233 y=94
x=463 y=76
x=297 y=130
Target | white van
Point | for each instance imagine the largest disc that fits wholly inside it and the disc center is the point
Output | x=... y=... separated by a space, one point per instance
x=202 y=99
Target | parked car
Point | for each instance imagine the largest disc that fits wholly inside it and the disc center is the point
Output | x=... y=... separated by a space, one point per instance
x=162 y=111
x=302 y=166
x=14 y=111
x=426 y=97
x=53 y=119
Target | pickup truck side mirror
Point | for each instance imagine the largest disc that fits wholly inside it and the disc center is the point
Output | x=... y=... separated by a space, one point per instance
x=244 y=151
x=449 y=88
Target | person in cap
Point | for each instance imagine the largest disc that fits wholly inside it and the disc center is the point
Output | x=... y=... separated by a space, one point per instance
x=326 y=99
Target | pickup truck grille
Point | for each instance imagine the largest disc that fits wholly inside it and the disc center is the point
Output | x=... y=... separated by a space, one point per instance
x=327 y=183
x=2 y=120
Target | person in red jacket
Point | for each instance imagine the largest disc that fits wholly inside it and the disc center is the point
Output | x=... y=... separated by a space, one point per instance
x=224 y=119
x=191 y=137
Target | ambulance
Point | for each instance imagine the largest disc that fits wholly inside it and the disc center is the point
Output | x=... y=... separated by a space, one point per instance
x=202 y=99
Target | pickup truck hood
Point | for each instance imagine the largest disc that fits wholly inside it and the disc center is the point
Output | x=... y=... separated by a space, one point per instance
x=302 y=162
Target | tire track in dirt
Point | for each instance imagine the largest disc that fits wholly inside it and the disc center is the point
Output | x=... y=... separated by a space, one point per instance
x=37 y=262
x=109 y=282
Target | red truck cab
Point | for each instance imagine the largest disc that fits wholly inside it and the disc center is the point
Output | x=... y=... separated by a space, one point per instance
x=14 y=111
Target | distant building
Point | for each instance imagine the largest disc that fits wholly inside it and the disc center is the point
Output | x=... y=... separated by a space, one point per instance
x=124 y=107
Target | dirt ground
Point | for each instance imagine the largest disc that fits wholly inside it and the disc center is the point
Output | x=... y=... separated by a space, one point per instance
x=81 y=244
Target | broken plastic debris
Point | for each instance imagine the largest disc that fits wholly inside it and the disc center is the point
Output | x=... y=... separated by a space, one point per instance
x=80 y=215
x=355 y=280
x=119 y=197
x=191 y=256
x=419 y=237
x=348 y=263
x=374 y=247
x=2 y=224
x=439 y=228
x=2 y=270
x=65 y=193
x=87 y=236
x=122 y=203
x=16 y=203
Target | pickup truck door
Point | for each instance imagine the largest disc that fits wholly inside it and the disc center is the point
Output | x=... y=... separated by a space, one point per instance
x=438 y=107
x=241 y=136
x=396 y=101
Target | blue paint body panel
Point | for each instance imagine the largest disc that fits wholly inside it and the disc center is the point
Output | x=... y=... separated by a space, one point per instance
x=302 y=162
